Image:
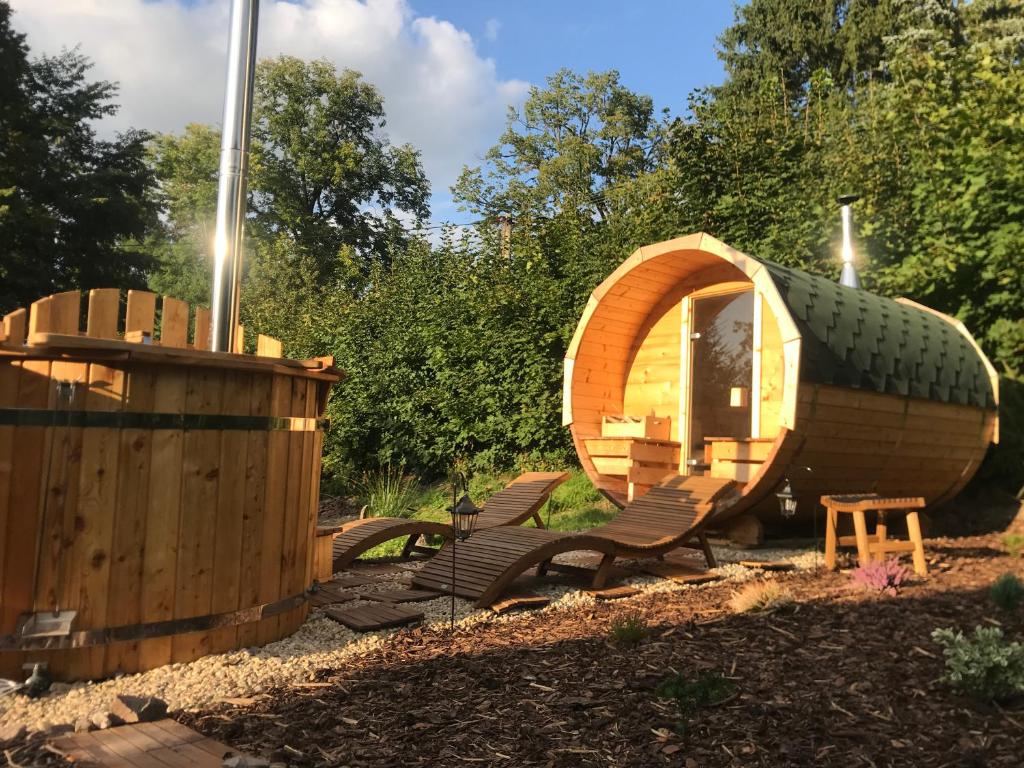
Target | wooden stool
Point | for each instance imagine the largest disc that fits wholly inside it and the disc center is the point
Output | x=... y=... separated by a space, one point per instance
x=876 y=544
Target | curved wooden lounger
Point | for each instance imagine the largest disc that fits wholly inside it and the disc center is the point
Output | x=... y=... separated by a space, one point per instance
x=513 y=505
x=665 y=518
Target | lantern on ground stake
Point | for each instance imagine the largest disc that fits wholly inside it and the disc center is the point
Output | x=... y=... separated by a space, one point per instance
x=464 y=515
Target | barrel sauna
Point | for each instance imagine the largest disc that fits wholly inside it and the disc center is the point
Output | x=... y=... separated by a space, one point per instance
x=164 y=493
x=695 y=358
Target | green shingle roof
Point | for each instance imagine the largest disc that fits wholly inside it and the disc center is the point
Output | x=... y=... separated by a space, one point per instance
x=852 y=338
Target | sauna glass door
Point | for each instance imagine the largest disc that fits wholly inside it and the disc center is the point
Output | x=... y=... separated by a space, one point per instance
x=721 y=368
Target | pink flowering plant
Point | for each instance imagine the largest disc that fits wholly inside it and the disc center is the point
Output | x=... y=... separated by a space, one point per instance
x=884 y=577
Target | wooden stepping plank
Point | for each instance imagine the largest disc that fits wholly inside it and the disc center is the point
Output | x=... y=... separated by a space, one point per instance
x=330 y=593
x=614 y=593
x=776 y=565
x=366 y=618
x=520 y=601
x=679 y=573
x=401 y=595
x=145 y=745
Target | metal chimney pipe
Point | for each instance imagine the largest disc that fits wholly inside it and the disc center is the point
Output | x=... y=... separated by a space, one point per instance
x=234 y=168
x=848 y=277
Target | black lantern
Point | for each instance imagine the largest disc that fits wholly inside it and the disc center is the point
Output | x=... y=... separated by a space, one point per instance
x=787 y=501
x=464 y=516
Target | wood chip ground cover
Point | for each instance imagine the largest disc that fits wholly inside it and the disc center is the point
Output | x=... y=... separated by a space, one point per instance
x=841 y=679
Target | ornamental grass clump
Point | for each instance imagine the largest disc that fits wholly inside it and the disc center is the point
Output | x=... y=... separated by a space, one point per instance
x=760 y=596
x=884 y=578
x=390 y=492
x=1014 y=543
x=629 y=629
x=984 y=666
x=1007 y=592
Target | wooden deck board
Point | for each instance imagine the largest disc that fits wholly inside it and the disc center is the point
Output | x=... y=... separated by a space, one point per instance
x=402 y=595
x=366 y=618
x=161 y=744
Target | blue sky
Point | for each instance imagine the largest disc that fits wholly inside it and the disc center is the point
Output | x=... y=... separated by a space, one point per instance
x=662 y=48
x=448 y=69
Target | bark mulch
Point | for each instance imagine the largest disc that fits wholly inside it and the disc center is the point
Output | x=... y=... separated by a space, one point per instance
x=840 y=679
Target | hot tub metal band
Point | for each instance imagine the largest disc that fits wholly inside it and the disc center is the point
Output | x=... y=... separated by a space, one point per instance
x=131 y=632
x=41 y=417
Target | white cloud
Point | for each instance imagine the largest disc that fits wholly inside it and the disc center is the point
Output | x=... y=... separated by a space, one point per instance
x=491 y=28
x=169 y=59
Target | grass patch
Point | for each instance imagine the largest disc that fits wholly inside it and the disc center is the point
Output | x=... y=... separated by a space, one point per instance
x=691 y=696
x=390 y=492
x=1007 y=592
x=1014 y=543
x=628 y=630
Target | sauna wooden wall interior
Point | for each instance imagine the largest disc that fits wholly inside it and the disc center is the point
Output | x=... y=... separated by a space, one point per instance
x=174 y=484
x=837 y=387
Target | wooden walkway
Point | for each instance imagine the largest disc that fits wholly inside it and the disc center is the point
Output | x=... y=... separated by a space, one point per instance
x=366 y=618
x=670 y=515
x=161 y=744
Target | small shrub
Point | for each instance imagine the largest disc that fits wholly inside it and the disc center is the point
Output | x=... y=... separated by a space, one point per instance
x=1007 y=592
x=760 y=596
x=390 y=492
x=1014 y=543
x=886 y=578
x=985 y=665
x=629 y=629
x=691 y=696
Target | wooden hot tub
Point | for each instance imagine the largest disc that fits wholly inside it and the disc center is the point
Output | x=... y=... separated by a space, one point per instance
x=165 y=493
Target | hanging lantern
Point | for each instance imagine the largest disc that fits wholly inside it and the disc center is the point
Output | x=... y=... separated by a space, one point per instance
x=787 y=501
x=464 y=516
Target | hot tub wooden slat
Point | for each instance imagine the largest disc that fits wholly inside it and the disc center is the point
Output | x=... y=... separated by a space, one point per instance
x=104 y=304
x=130 y=520
x=163 y=524
x=196 y=541
x=173 y=322
x=252 y=563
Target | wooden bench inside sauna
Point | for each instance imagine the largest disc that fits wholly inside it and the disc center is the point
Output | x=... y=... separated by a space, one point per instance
x=157 y=500
x=692 y=358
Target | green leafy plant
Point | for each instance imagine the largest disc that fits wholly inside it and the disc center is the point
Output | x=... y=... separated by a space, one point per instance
x=691 y=696
x=1007 y=592
x=629 y=629
x=983 y=665
x=760 y=596
x=1014 y=543
x=390 y=492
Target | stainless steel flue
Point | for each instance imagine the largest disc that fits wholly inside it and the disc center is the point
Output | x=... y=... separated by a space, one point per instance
x=234 y=168
x=848 y=277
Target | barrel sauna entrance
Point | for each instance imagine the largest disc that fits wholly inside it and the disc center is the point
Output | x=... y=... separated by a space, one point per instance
x=157 y=500
x=694 y=358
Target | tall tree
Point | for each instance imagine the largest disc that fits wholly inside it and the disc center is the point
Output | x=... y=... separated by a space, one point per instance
x=72 y=206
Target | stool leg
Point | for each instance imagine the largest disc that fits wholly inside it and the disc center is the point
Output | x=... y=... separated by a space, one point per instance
x=860 y=527
x=881 y=529
x=914 y=529
x=831 y=521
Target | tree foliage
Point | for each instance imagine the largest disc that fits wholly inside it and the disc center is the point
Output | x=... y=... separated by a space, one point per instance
x=72 y=206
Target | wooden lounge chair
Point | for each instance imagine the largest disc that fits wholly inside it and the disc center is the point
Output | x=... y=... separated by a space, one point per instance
x=672 y=514
x=513 y=505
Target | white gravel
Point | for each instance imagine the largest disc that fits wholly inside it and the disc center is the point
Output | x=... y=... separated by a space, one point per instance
x=319 y=643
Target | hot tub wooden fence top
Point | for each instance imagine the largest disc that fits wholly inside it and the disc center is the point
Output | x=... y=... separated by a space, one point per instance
x=140 y=326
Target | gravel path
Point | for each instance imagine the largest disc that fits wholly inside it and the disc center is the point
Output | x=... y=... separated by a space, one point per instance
x=320 y=643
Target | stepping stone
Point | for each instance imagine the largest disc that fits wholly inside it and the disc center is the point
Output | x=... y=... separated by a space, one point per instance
x=350 y=580
x=161 y=742
x=679 y=573
x=366 y=618
x=520 y=601
x=401 y=595
x=614 y=593
x=330 y=593
x=776 y=565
